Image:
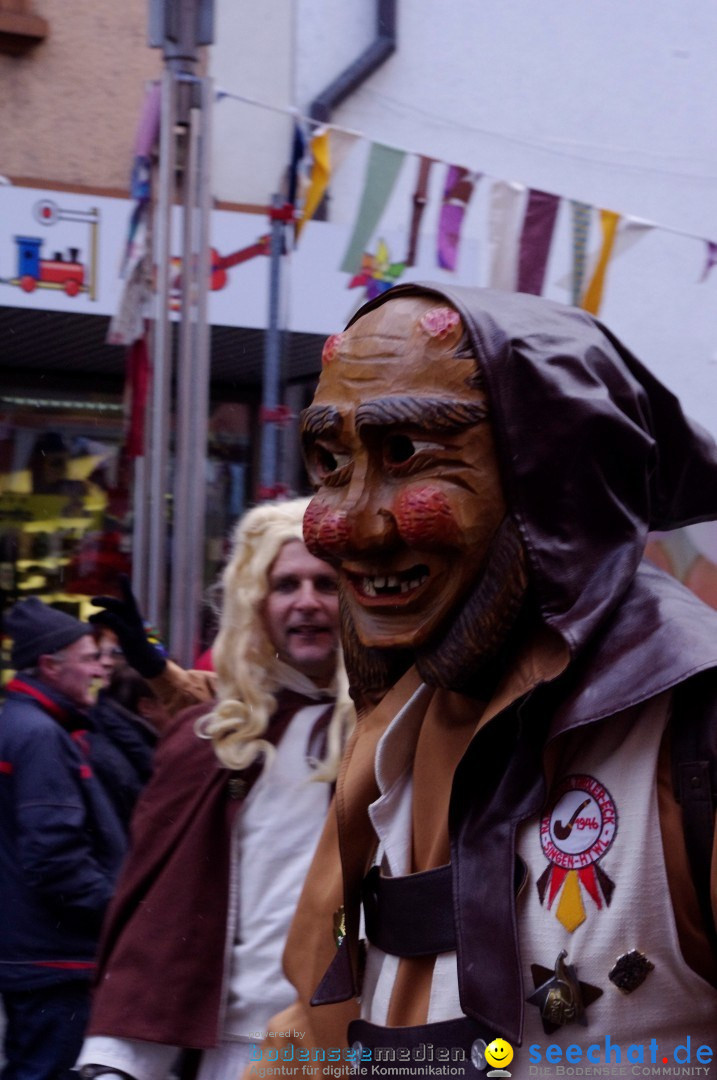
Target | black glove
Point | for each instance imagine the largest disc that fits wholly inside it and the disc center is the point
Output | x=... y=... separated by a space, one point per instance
x=124 y=617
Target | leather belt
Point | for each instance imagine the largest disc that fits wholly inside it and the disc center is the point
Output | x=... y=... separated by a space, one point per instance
x=410 y=916
x=413 y=915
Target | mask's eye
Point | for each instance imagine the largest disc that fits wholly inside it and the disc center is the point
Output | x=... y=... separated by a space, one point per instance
x=397 y=449
x=328 y=465
x=400 y=449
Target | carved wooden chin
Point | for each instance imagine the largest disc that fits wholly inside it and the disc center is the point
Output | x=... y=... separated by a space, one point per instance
x=461 y=654
x=464 y=654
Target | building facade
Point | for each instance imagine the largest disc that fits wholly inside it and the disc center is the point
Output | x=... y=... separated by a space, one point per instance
x=451 y=128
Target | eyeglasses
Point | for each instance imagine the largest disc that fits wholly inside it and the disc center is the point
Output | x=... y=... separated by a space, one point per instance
x=88 y=658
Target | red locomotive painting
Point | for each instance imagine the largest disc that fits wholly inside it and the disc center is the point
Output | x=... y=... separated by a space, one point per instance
x=62 y=270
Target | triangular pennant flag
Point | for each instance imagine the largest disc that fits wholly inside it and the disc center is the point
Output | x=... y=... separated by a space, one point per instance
x=581 y=214
x=420 y=198
x=631 y=230
x=328 y=150
x=457 y=191
x=535 y=240
x=384 y=165
x=593 y=294
x=318 y=177
x=147 y=131
x=710 y=260
x=506 y=203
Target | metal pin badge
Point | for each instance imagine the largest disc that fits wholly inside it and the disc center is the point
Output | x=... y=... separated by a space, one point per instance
x=560 y=996
x=630 y=971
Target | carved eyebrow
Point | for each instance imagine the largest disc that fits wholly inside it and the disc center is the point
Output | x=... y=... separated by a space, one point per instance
x=320 y=420
x=428 y=413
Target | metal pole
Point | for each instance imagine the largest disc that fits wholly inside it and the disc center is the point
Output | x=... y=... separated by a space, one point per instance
x=179 y=27
x=268 y=473
x=192 y=388
x=154 y=603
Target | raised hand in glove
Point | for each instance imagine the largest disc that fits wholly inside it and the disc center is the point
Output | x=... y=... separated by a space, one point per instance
x=124 y=617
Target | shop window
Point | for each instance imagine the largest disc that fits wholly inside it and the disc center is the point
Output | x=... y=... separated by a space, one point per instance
x=65 y=524
x=66 y=500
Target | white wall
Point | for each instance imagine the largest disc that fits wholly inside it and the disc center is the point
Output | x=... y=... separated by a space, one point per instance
x=253 y=57
x=609 y=102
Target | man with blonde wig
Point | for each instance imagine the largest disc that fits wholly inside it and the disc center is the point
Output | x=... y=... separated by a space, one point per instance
x=225 y=830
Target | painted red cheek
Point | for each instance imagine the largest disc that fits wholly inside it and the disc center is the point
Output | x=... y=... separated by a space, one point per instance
x=331 y=349
x=325 y=530
x=313 y=516
x=424 y=518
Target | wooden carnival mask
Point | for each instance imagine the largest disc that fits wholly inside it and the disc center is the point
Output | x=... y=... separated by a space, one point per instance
x=409 y=499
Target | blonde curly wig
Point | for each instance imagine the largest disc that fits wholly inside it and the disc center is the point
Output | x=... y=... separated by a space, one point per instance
x=248 y=672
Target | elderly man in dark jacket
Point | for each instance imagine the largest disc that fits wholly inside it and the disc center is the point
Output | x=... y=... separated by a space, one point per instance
x=61 y=842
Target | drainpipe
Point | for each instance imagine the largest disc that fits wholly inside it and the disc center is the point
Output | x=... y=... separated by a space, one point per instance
x=383 y=45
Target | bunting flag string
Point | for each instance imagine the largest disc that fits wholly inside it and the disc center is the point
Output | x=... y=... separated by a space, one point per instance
x=457 y=191
x=521 y=222
x=536 y=238
x=384 y=165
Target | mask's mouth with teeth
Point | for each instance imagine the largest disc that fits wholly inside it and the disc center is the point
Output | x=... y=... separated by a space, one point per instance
x=398 y=586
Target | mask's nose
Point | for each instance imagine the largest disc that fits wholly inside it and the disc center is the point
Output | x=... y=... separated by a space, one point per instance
x=343 y=533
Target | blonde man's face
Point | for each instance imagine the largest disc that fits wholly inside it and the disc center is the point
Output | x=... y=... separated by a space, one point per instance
x=301 y=612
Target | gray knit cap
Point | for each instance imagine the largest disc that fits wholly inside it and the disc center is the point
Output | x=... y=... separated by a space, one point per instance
x=38 y=630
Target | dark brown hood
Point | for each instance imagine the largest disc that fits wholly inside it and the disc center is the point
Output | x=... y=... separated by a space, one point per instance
x=594 y=450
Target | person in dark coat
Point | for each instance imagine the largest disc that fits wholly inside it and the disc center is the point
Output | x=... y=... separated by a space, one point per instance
x=125 y=722
x=61 y=842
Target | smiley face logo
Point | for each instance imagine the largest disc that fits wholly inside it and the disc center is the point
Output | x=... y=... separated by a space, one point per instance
x=499 y=1053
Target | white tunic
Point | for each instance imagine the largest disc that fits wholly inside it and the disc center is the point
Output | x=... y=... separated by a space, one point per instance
x=603 y=813
x=276 y=835
x=273 y=843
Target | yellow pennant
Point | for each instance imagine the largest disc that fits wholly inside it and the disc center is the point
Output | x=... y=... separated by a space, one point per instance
x=571 y=910
x=593 y=294
x=319 y=181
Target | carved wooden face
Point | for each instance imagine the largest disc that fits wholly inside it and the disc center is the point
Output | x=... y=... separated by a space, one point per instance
x=399 y=445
